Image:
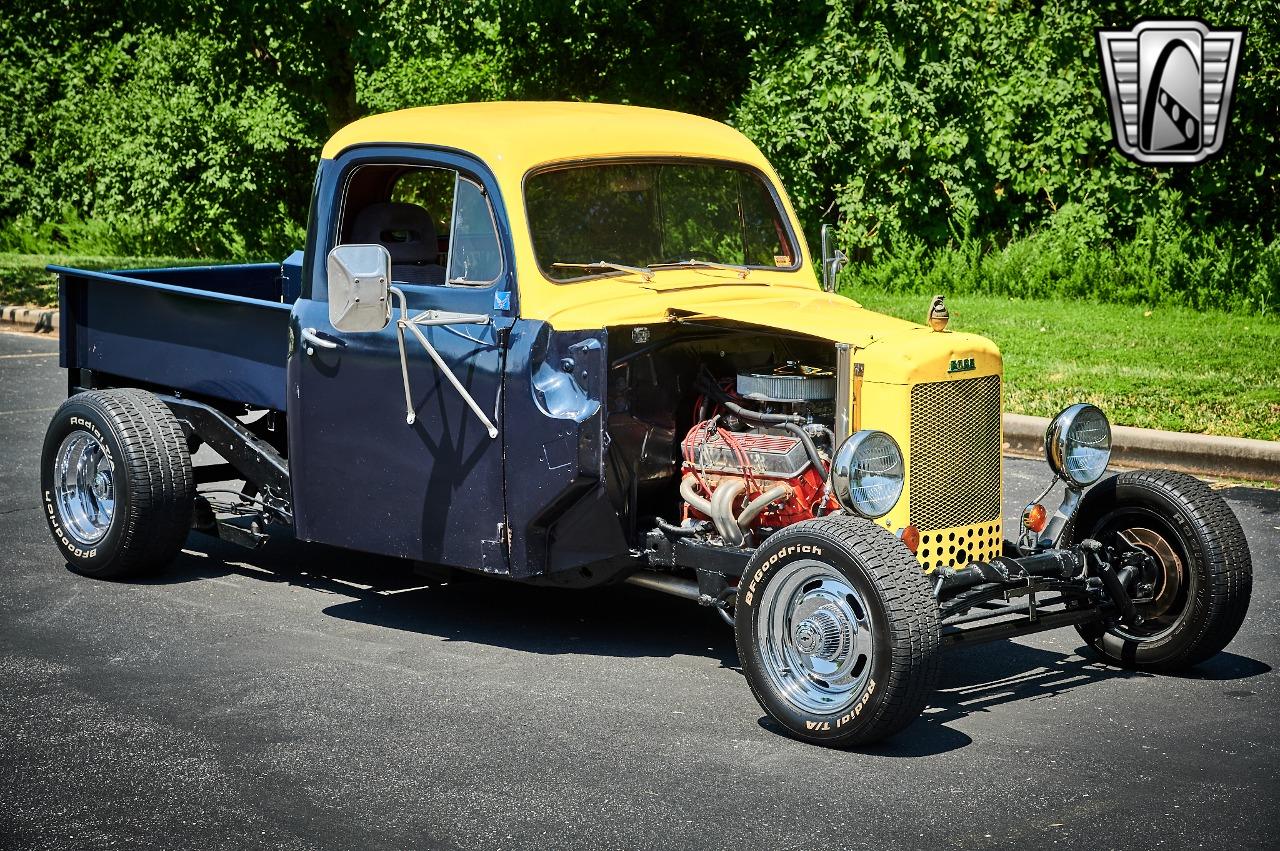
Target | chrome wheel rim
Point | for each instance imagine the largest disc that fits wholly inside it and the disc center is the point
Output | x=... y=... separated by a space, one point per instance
x=815 y=638
x=84 y=487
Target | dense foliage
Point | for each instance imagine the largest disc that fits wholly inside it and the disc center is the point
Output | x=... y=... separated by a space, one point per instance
x=960 y=146
x=942 y=134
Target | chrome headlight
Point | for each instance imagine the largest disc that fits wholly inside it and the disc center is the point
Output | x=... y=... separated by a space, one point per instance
x=1078 y=444
x=867 y=474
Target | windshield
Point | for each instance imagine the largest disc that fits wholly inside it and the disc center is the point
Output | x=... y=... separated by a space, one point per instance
x=585 y=217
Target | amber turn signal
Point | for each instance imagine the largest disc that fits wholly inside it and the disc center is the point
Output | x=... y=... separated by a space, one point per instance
x=1034 y=517
x=911 y=537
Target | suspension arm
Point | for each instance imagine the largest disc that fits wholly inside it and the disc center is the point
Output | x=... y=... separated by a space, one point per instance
x=1085 y=570
x=431 y=318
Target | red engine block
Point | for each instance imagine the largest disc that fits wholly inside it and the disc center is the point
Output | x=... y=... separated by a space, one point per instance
x=761 y=459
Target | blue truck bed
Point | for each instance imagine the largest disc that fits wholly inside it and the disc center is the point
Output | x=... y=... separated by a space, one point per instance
x=216 y=331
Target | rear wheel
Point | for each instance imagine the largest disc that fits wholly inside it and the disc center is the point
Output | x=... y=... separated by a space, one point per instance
x=1198 y=593
x=116 y=483
x=837 y=631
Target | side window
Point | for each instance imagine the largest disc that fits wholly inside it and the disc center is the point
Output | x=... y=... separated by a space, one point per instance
x=436 y=224
x=475 y=256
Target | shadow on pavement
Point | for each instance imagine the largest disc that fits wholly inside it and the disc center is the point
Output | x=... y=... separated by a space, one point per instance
x=1010 y=672
x=629 y=622
x=1225 y=666
x=616 y=621
x=621 y=621
x=974 y=682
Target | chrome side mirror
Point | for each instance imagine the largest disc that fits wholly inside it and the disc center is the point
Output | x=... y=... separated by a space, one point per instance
x=833 y=259
x=359 y=283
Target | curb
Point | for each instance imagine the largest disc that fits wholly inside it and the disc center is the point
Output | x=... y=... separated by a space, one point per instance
x=1203 y=454
x=41 y=320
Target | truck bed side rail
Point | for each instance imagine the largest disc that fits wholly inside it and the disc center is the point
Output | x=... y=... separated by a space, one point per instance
x=203 y=341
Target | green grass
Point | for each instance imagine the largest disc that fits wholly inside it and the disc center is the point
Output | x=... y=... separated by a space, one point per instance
x=1169 y=367
x=23 y=279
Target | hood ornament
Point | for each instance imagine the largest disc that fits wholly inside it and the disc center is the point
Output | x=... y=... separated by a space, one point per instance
x=938 y=315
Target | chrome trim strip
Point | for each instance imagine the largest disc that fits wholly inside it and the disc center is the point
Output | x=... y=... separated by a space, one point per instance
x=844 y=398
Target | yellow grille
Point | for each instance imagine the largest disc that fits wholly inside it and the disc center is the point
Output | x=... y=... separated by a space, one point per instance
x=954 y=470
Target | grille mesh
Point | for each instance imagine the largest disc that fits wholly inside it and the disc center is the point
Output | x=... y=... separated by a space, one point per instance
x=955 y=453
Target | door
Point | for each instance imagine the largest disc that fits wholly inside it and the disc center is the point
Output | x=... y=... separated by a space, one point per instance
x=363 y=477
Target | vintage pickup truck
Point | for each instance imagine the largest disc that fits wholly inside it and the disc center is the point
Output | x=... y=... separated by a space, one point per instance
x=579 y=344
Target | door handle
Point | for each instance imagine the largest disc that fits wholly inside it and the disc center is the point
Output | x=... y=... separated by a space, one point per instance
x=313 y=340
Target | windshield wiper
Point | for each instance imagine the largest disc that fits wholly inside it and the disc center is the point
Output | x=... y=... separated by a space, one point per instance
x=742 y=271
x=643 y=271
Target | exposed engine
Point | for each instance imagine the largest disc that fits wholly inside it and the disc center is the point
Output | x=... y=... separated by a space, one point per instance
x=757 y=456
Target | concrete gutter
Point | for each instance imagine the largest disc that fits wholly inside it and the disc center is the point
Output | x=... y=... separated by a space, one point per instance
x=1201 y=454
x=42 y=320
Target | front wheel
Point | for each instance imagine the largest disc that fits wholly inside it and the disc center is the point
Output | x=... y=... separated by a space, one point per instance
x=1197 y=596
x=837 y=631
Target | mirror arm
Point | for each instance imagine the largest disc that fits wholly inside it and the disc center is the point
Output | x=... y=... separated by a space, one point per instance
x=429 y=318
x=404 y=366
x=833 y=260
x=443 y=317
x=825 y=235
x=448 y=373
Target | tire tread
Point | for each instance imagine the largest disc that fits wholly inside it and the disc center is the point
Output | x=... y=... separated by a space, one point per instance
x=910 y=608
x=1227 y=560
x=157 y=471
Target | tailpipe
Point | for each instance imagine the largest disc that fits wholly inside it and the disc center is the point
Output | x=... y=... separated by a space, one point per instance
x=674 y=585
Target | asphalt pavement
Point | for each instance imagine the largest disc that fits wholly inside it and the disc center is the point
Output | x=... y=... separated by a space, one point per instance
x=301 y=697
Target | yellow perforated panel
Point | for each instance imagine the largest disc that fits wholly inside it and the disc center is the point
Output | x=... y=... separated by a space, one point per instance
x=958 y=546
x=954 y=470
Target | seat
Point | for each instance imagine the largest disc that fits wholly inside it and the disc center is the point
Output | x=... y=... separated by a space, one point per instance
x=408 y=234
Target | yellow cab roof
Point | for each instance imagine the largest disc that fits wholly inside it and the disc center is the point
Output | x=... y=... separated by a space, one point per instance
x=518 y=136
x=513 y=138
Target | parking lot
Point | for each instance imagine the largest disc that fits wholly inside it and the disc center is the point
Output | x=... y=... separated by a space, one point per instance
x=301 y=697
